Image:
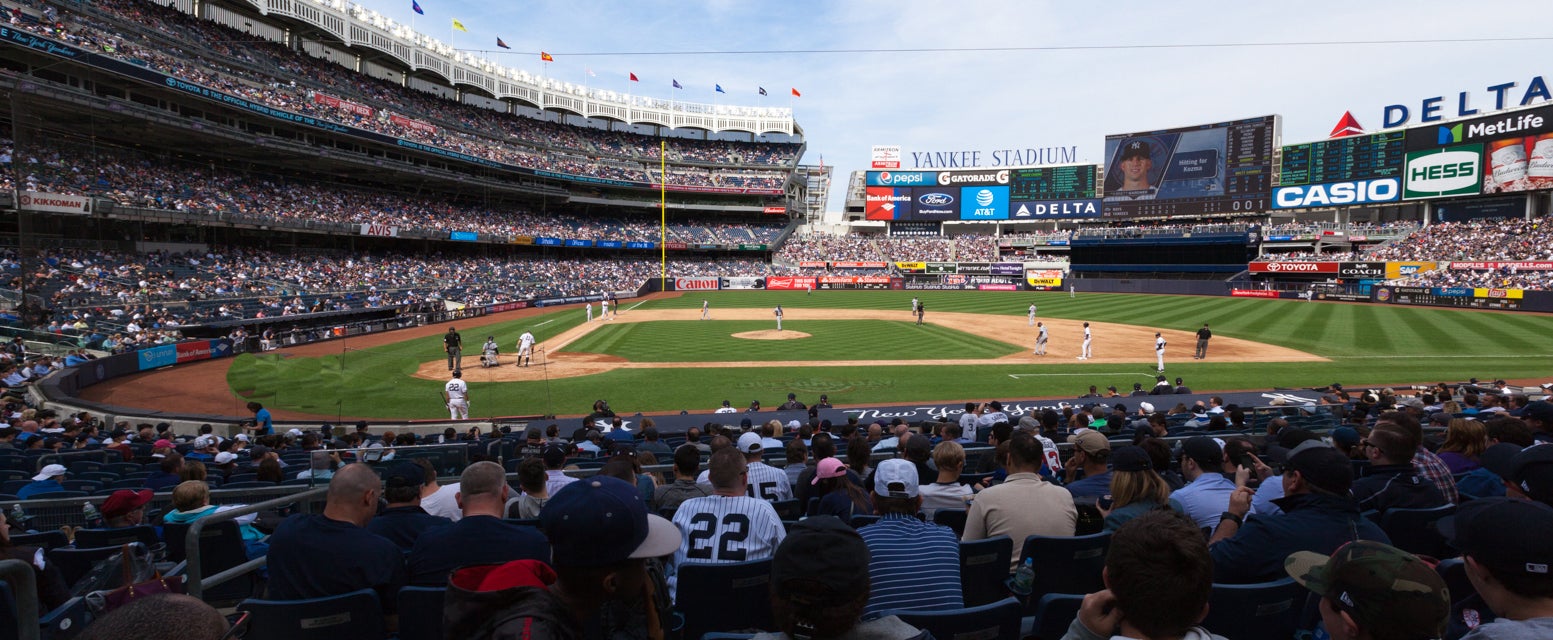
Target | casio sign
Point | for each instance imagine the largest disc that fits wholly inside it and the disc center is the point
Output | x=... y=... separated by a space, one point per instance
x=1447 y=172
x=1341 y=193
x=936 y=199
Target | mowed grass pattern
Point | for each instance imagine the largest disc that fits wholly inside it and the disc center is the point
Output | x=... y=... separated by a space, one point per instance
x=1369 y=345
x=713 y=341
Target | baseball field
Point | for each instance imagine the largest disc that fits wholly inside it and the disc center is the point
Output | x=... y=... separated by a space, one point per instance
x=865 y=347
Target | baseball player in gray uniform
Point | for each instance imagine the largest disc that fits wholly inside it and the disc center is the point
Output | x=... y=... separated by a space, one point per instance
x=727 y=526
x=706 y=310
x=1040 y=338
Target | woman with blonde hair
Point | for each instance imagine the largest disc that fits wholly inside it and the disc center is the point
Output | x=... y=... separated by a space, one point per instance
x=1136 y=488
x=1465 y=440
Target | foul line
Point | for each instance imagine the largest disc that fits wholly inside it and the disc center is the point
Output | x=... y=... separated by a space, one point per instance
x=1446 y=357
x=636 y=305
x=545 y=322
x=1017 y=376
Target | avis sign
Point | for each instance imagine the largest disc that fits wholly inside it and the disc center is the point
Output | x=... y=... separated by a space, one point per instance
x=1436 y=173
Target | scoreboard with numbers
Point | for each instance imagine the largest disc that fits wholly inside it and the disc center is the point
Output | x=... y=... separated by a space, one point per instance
x=1378 y=155
x=1066 y=182
x=1219 y=168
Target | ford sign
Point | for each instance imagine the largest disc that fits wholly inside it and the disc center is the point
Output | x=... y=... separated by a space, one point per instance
x=936 y=199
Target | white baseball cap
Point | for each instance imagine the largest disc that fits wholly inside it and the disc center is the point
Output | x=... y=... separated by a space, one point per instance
x=1146 y=407
x=242 y=436
x=225 y=457
x=901 y=473
x=50 y=471
x=749 y=442
x=792 y=424
x=295 y=433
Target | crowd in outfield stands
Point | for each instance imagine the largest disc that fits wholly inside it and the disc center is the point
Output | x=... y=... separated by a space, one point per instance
x=119 y=302
x=271 y=74
x=1488 y=240
x=545 y=553
x=858 y=248
x=143 y=180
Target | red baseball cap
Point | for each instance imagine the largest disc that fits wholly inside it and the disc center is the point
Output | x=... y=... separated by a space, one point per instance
x=123 y=501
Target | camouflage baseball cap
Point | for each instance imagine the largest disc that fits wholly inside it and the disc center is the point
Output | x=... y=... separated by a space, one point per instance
x=1381 y=586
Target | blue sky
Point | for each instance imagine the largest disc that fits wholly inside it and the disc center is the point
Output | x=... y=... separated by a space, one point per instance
x=926 y=101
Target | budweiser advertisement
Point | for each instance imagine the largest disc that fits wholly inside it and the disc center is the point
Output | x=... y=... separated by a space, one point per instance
x=1294 y=267
x=1252 y=293
x=696 y=284
x=55 y=203
x=790 y=283
x=776 y=211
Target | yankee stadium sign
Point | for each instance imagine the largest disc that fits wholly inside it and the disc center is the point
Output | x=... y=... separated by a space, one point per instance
x=973 y=158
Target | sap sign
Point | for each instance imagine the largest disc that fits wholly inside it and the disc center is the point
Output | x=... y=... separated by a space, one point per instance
x=1452 y=171
x=1054 y=209
x=984 y=203
x=1337 y=194
x=902 y=178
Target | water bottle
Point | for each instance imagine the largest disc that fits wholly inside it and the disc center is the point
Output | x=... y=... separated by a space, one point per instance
x=19 y=517
x=92 y=516
x=1023 y=581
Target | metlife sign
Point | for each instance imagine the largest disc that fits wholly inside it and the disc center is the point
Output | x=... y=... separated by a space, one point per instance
x=1438 y=173
x=984 y=203
x=1338 y=194
x=1519 y=123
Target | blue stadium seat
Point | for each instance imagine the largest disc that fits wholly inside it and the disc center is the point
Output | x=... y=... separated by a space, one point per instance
x=10 y=619
x=122 y=468
x=1054 y=612
x=74 y=564
x=1454 y=573
x=1414 y=531
x=65 y=621
x=53 y=495
x=1253 y=611
x=145 y=534
x=788 y=509
x=353 y=616
x=13 y=486
x=250 y=484
x=861 y=521
x=723 y=597
x=983 y=568
x=221 y=548
x=1000 y=619
x=82 y=466
x=952 y=518
x=101 y=477
x=420 y=613
x=44 y=540
x=1066 y=565
x=81 y=485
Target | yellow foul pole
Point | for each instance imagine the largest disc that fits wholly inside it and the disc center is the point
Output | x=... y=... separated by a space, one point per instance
x=663 y=214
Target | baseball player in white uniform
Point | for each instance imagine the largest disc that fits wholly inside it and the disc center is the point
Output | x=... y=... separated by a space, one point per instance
x=778 y=313
x=1040 y=338
x=1159 y=351
x=604 y=309
x=706 y=310
x=915 y=303
x=456 y=394
x=1084 y=354
x=525 y=349
x=589 y=305
x=727 y=526
x=1031 y=317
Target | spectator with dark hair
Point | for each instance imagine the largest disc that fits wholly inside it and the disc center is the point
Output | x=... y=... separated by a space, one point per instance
x=148 y=619
x=1505 y=544
x=1391 y=481
x=332 y=553
x=1539 y=418
x=1509 y=430
x=1318 y=515
x=532 y=480
x=1135 y=488
x=797 y=454
x=1485 y=481
x=840 y=495
x=1207 y=491
x=403 y=520
x=51 y=588
x=602 y=536
x=555 y=459
x=1157 y=576
x=651 y=442
x=820 y=586
x=1527 y=475
x=1430 y=467
x=169 y=475
x=1024 y=504
x=1376 y=591
x=668 y=498
x=1159 y=459
x=727 y=526
x=859 y=454
x=693 y=438
x=915 y=565
x=480 y=537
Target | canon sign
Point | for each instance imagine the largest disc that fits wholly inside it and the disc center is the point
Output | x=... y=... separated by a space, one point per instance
x=1293 y=267
x=695 y=284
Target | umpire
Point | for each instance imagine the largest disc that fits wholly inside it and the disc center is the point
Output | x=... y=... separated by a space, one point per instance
x=1203 y=335
x=453 y=344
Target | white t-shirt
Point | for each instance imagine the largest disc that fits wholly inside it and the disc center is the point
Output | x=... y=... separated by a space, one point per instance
x=950 y=495
x=444 y=502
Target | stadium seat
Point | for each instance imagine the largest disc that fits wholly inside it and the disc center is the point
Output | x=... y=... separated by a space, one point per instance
x=13 y=486
x=221 y=548
x=10 y=619
x=723 y=597
x=82 y=485
x=1414 y=531
x=996 y=620
x=74 y=564
x=352 y=616
x=82 y=466
x=242 y=477
x=420 y=613
x=250 y=484
x=952 y=518
x=55 y=495
x=1254 y=611
x=1054 y=612
x=65 y=621
x=983 y=568
x=788 y=509
x=1066 y=565
x=1454 y=573
x=44 y=540
x=859 y=522
x=145 y=534
x=122 y=468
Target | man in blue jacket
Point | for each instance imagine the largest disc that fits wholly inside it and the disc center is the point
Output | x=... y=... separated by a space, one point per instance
x=1318 y=515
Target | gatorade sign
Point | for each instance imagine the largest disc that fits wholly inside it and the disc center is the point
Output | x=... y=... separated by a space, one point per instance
x=1437 y=173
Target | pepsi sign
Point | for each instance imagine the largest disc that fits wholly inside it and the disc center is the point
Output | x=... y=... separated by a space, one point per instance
x=902 y=178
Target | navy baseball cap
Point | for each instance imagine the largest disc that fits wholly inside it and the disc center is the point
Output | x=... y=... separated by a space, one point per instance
x=1505 y=533
x=404 y=474
x=600 y=521
x=1136 y=148
x=1131 y=459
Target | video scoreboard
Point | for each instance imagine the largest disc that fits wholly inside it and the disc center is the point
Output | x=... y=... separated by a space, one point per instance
x=1368 y=157
x=1219 y=168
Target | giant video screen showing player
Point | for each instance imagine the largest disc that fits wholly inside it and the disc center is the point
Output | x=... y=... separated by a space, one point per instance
x=1214 y=168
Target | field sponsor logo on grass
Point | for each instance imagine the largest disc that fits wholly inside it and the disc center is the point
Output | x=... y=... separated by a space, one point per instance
x=695 y=284
x=1294 y=267
x=997 y=287
x=1252 y=293
x=1509 y=266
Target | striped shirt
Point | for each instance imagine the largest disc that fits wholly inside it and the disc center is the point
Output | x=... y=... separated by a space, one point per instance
x=724 y=530
x=556 y=480
x=768 y=483
x=913 y=565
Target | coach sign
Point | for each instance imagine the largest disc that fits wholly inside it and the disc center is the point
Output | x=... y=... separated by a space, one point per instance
x=1294 y=267
x=1362 y=269
x=55 y=203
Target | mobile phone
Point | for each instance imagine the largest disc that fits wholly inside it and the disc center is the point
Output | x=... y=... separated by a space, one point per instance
x=1104 y=502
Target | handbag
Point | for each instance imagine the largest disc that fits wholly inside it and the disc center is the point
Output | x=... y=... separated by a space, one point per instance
x=101 y=602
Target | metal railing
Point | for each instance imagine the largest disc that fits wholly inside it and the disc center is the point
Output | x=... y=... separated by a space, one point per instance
x=195 y=583
x=24 y=587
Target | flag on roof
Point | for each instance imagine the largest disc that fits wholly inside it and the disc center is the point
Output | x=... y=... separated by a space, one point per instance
x=416 y=6
x=501 y=44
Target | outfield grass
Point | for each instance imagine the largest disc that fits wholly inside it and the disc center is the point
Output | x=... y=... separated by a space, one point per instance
x=1369 y=344
x=713 y=341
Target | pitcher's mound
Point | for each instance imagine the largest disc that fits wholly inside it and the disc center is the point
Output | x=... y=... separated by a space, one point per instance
x=771 y=334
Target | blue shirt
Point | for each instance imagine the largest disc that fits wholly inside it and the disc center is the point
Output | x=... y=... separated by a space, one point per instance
x=312 y=556
x=1205 y=499
x=404 y=525
x=39 y=486
x=472 y=540
x=1091 y=486
x=265 y=423
x=162 y=480
x=913 y=565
